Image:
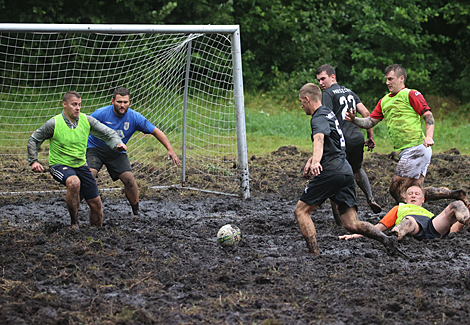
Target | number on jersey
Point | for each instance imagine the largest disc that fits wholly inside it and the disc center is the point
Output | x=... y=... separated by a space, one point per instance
x=352 y=104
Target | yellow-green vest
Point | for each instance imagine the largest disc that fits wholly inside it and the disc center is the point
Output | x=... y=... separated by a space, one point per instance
x=411 y=209
x=68 y=146
x=403 y=123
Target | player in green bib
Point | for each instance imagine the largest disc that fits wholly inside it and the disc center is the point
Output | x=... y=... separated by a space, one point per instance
x=402 y=110
x=410 y=218
x=68 y=136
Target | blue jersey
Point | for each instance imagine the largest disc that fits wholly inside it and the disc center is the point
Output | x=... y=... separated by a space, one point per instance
x=125 y=126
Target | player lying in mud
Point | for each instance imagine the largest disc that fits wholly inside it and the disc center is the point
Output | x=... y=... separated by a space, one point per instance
x=410 y=218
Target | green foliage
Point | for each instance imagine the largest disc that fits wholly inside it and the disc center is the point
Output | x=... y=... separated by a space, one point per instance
x=283 y=42
x=201 y=12
x=283 y=38
x=86 y=11
x=451 y=34
x=271 y=124
x=378 y=34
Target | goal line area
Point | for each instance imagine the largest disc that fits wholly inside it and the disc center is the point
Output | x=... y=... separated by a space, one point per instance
x=186 y=80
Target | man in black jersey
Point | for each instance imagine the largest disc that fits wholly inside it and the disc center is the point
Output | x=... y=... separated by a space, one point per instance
x=339 y=99
x=330 y=175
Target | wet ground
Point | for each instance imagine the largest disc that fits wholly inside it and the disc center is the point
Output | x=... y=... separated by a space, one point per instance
x=166 y=266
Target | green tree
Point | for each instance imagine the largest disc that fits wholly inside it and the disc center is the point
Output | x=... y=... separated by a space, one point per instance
x=284 y=41
x=377 y=34
x=85 y=11
x=451 y=30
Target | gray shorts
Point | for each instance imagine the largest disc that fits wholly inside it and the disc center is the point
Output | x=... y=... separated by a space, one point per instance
x=414 y=161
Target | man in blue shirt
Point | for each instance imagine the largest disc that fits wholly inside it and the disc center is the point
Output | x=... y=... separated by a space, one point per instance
x=125 y=122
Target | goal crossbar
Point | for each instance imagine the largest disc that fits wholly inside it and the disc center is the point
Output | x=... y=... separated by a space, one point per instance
x=112 y=28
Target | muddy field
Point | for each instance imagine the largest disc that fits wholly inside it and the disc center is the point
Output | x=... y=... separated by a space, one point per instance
x=166 y=266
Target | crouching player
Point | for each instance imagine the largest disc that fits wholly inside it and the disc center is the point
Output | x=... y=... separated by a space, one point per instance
x=68 y=136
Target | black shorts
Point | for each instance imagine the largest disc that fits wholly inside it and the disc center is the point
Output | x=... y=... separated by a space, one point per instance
x=116 y=162
x=355 y=156
x=426 y=228
x=339 y=188
x=88 y=187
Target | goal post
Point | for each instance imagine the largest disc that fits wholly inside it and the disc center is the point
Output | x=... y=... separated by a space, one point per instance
x=185 y=79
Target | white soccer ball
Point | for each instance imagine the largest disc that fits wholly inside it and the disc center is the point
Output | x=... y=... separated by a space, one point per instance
x=229 y=235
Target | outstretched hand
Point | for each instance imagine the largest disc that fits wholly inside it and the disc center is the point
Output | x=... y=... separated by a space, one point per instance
x=175 y=160
x=350 y=115
x=348 y=237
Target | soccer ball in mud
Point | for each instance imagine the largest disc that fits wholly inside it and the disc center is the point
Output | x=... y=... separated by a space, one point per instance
x=229 y=235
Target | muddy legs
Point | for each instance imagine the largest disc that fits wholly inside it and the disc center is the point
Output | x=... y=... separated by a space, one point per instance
x=131 y=190
x=435 y=193
x=334 y=208
x=363 y=182
x=407 y=226
x=302 y=214
x=355 y=226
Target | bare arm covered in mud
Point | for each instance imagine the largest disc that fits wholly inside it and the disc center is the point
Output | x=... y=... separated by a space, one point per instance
x=313 y=167
x=370 y=143
x=364 y=123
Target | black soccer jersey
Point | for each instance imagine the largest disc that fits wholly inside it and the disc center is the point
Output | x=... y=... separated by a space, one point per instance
x=334 y=147
x=339 y=99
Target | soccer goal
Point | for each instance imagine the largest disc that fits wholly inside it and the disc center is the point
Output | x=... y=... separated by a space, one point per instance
x=186 y=80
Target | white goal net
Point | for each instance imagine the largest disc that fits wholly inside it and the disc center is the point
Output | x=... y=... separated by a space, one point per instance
x=186 y=80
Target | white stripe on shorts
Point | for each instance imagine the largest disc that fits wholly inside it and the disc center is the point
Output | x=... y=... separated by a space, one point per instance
x=57 y=173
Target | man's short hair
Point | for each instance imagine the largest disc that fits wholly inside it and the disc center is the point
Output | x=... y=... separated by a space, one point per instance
x=398 y=69
x=70 y=94
x=418 y=186
x=328 y=68
x=122 y=92
x=311 y=90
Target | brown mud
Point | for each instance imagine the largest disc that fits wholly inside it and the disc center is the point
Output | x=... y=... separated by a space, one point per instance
x=166 y=267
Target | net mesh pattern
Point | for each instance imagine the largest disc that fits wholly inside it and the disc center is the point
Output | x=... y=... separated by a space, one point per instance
x=36 y=69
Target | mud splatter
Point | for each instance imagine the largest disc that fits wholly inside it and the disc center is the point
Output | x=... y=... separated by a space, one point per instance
x=167 y=268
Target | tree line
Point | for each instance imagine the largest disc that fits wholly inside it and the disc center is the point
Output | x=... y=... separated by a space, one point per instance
x=284 y=41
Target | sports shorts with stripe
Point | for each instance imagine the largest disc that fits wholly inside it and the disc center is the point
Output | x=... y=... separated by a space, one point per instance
x=88 y=187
